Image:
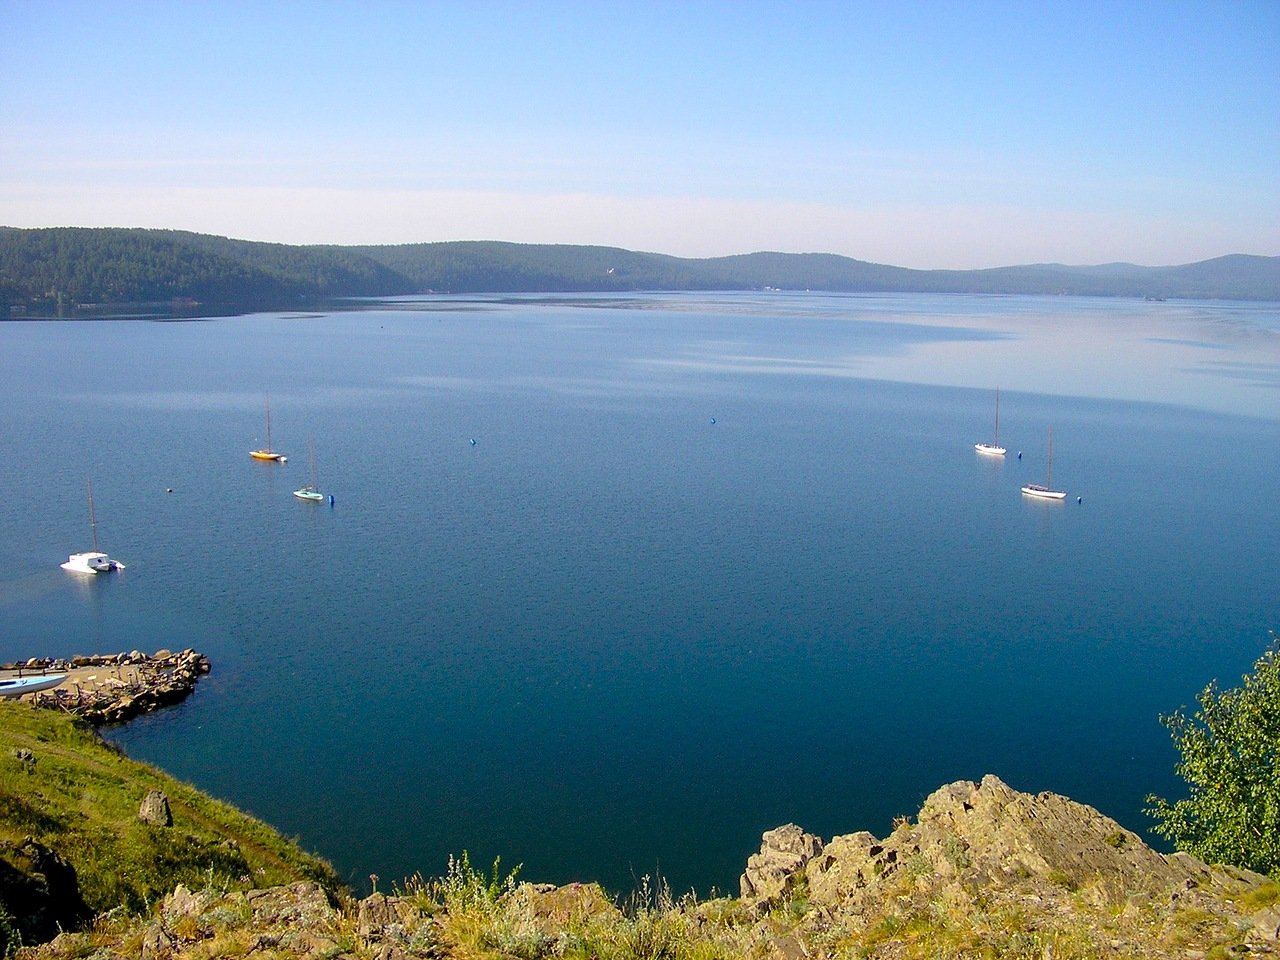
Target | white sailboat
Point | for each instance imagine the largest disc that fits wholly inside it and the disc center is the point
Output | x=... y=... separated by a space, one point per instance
x=92 y=561
x=993 y=449
x=1045 y=491
x=266 y=453
x=310 y=492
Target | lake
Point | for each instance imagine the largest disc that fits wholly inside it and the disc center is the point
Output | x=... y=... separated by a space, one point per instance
x=611 y=585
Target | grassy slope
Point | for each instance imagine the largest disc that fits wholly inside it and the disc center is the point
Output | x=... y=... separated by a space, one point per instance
x=80 y=798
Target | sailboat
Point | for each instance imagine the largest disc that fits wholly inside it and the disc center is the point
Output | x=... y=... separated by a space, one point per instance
x=1045 y=491
x=310 y=491
x=92 y=561
x=993 y=448
x=266 y=453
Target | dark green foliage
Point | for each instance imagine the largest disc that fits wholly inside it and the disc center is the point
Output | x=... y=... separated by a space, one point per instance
x=56 y=271
x=1230 y=758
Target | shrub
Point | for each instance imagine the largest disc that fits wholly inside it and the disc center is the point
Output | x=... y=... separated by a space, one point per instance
x=1230 y=759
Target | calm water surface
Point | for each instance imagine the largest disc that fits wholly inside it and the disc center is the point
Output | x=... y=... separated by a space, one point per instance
x=711 y=564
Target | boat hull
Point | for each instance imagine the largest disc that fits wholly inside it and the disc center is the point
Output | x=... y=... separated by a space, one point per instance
x=311 y=496
x=1043 y=492
x=990 y=449
x=268 y=455
x=91 y=563
x=18 y=686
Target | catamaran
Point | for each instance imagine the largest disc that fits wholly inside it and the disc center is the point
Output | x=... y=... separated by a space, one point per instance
x=1045 y=491
x=266 y=453
x=92 y=561
x=993 y=448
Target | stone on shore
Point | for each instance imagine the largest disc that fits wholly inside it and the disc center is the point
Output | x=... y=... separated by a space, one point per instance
x=155 y=810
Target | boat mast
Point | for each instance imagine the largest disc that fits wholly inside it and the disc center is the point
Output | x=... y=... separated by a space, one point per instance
x=268 y=401
x=93 y=521
x=1048 y=480
x=311 y=443
x=997 y=439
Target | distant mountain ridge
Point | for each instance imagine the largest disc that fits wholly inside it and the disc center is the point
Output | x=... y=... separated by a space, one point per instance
x=57 y=270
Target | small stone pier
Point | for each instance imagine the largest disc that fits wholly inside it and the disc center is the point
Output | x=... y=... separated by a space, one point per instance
x=113 y=688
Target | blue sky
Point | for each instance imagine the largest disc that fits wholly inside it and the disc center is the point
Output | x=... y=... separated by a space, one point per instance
x=937 y=135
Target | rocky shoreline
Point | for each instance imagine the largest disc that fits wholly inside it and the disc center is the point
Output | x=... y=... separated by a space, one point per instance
x=113 y=688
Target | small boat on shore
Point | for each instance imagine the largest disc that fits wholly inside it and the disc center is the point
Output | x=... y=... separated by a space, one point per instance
x=1045 y=490
x=18 y=686
x=266 y=453
x=993 y=449
x=91 y=561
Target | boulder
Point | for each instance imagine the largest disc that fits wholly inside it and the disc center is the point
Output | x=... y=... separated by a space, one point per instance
x=183 y=903
x=155 y=810
x=303 y=903
x=1265 y=925
x=156 y=943
x=40 y=891
x=551 y=908
x=381 y=917
x=784 y=852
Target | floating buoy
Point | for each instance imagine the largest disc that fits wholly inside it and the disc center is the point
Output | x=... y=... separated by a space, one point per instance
x=168 y=489
x=1019 y=454
x=713 y=419
x=473 y=441
x=331 y=500
x=1079 y=499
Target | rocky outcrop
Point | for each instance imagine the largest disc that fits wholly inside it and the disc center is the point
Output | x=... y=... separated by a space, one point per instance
x=296 y=920
x=549 y=908
x=989 y=855
x=988 y=835
x=39 y=891
x=773 y=871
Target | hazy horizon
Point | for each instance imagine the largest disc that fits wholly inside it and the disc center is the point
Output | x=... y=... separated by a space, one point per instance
x=939 y=137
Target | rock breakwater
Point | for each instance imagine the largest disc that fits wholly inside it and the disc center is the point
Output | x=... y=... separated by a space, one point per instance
x=113 y=688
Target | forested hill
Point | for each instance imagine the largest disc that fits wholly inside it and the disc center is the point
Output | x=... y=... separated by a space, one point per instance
x=57 y=270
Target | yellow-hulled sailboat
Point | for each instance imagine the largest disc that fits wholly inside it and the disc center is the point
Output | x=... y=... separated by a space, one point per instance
x=266 y=453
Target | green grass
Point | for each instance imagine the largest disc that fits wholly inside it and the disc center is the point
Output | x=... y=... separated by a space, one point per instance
x=1260 y=897
x=80 y=798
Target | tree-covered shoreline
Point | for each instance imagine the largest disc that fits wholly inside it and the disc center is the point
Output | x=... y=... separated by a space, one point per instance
x=80 y=271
